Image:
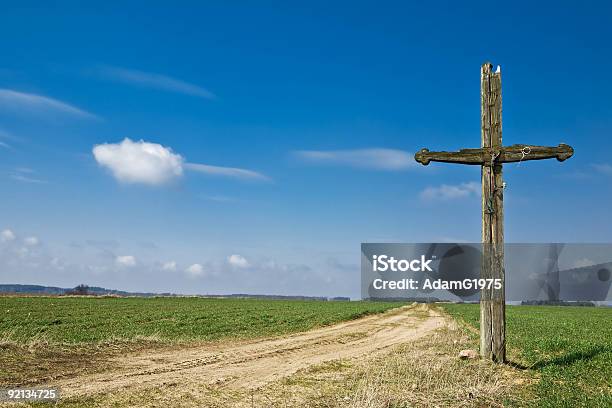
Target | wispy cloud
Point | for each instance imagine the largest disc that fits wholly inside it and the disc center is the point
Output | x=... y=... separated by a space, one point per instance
x=232 y=172
x=155 y=81
x=603 y=168
x=151 y=163
x=374 y=158
x=26 y=179
x=450 y=192
x=31 y=241
x=4 y=135
x=22 y=102
x=219 y=198
x=8 y=137
x=26 y=175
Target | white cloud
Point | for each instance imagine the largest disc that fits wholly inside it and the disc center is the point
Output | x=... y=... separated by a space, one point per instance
x=139 y=162
x=155 y=81
x=232 y=172
x=31 y=241
x=125 y=260
x=195 y=270
x=154 y=164
x=58 y=263
x=451 y=192
x=603 y=168
x=169 y=266
x=38 y=104
x=238 y=261
x=22 y=252
x=374 y=158
x=7 y=235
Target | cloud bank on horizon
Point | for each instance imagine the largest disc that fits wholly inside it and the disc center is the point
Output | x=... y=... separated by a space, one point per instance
x=28 y=259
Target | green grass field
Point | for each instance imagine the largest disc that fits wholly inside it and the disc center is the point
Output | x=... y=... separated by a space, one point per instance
x=567 y=351
x=48 y=337
x=71 y=320
x=569 y=348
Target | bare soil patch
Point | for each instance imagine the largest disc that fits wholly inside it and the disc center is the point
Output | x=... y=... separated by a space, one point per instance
x=252 y=364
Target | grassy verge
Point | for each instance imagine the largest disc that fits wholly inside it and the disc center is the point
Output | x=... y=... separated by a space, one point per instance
x=423 y=373
x=42 y=338
x=569 y=348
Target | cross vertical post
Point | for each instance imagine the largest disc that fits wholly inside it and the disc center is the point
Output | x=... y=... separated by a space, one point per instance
x=491 y=156
x=492 y=301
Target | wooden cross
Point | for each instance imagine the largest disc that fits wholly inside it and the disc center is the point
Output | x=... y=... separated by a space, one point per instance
x=490 y=157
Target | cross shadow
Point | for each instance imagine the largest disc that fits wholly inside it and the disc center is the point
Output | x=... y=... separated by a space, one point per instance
x=562 y=361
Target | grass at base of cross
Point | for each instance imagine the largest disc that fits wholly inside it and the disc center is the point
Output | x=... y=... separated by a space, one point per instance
x=568 y=348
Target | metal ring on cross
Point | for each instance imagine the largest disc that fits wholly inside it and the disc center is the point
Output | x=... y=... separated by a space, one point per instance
x=526 y=150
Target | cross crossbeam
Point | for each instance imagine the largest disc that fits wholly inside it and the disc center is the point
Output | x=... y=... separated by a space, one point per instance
x=487 y=156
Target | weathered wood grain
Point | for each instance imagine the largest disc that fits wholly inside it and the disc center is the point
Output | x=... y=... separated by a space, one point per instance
x=505 y=154
x=522 y=152
x=492 y=301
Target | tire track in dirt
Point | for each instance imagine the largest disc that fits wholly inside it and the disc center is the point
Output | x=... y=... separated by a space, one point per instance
x=252 y=364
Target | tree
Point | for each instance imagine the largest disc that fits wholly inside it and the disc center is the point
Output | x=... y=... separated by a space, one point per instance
x=80 y=290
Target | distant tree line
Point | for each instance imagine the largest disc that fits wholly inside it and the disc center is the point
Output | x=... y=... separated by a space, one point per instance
x=80 y=290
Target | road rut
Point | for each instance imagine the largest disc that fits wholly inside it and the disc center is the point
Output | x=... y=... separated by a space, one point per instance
x=252 y=364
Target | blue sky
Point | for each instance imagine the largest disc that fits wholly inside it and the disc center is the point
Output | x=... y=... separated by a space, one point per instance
x=283 y=137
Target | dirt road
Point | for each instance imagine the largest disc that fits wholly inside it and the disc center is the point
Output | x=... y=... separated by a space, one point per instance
x=255 y=363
